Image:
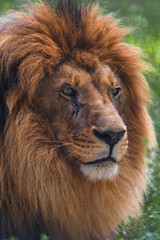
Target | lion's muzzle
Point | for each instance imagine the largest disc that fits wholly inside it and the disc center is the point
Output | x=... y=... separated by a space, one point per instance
x=99 y=152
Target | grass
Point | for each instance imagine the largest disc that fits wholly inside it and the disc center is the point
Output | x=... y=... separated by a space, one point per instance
x=144 y=15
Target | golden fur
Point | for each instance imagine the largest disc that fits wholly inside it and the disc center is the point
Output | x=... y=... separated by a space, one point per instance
x=51 y=136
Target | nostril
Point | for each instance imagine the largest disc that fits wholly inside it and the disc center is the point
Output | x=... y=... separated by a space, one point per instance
x=98 y=134
x=113 y=137
x=109 y=137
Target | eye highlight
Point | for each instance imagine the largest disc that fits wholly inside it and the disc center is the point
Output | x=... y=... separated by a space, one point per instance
x=115 y=92
x=68 y=92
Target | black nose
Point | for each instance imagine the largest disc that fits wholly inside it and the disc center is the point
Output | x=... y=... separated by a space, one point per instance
x=109 y=137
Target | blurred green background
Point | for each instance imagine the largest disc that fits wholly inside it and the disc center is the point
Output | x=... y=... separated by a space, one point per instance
x=144 y=16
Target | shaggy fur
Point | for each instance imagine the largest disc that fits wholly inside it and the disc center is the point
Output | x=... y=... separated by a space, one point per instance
x=47 y=184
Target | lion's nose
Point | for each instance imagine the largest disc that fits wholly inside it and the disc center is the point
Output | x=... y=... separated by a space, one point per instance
x=109 y=137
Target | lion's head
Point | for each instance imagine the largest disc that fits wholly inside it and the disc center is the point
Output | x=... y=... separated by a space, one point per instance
x=73 y=119
x=82 y=109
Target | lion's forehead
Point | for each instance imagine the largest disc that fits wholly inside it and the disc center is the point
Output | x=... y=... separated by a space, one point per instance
x=101 y=76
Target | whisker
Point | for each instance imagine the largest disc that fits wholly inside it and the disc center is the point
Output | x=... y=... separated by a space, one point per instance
x=58 y=142
x=121 y=70
x=68 y=155
x=60 y=145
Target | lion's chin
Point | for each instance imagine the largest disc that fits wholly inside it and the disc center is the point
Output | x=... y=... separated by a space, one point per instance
x=105 y=171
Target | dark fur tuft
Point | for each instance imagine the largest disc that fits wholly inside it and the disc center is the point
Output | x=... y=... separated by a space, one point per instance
x=69 y=10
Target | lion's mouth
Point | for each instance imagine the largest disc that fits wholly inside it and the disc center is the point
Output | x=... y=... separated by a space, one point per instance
x=99 y=161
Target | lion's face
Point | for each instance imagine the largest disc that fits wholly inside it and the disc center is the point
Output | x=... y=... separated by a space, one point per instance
x=83 y=109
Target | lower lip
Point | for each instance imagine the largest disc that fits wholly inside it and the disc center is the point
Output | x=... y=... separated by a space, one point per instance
x=102 y=160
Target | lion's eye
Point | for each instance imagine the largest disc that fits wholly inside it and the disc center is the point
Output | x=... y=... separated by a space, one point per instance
x=68 y=92
x=115 y=92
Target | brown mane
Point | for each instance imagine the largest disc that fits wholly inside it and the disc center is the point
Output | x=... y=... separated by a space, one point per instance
x=41 y=192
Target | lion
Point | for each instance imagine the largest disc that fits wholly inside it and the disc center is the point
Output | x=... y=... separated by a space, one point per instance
x=73 y=117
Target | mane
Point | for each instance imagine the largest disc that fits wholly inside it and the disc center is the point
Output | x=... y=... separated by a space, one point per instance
x=43 y=36
x=33 y=44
